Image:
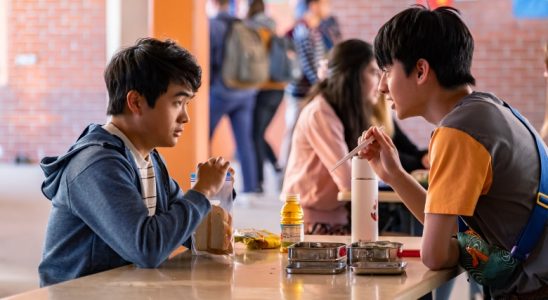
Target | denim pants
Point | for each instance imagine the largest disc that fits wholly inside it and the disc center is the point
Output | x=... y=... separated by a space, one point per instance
x=239 y=109
x=266 y=106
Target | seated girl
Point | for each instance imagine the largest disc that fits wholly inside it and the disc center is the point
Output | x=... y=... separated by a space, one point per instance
x=339 y=108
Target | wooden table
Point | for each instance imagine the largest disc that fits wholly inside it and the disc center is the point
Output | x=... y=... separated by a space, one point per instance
x=389 y=197
x=384 y=197
x=251 y=274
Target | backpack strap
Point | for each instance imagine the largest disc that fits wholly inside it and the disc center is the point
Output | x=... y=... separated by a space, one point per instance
x=266 y=36
x=229 y=23
x=534 y=228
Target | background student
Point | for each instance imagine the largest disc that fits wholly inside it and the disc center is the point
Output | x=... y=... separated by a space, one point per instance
x=269 y=95
x=312 y=41
x=237 y=104
x=340 y=106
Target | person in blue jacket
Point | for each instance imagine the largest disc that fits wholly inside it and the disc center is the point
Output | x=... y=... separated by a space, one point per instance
x=113 y=201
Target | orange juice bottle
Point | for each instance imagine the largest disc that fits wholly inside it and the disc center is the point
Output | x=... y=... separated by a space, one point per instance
x=292 y=227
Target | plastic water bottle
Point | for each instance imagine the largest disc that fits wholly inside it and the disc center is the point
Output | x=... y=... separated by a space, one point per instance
x=365 y=195
x=291 y=223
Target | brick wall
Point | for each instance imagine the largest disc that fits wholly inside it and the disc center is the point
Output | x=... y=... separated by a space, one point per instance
x=46 y=103
x=508 y=58
x=44 y=106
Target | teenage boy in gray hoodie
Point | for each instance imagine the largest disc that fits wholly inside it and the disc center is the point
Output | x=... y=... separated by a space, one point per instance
x=113 y=201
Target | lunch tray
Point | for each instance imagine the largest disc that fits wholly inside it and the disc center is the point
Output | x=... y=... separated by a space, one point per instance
x=380 y=251
x=316 y=252
x=322 y=267
x=316 y=258
x=384 y=267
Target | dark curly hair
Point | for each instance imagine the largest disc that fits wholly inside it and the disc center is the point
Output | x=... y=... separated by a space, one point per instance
x=149 y=67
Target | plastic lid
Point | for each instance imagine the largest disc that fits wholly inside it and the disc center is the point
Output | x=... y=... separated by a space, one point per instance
x=292 y=197
x=193 y=176
x=344 y=196
x=362 y=169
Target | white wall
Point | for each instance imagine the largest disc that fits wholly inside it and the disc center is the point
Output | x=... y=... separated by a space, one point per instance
x=127 y=21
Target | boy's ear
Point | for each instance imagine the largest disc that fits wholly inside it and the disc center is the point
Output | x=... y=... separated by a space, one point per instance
x=134 y=101
x=423 y=70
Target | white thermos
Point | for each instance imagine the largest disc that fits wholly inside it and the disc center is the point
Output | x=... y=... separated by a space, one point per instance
x=364 y=197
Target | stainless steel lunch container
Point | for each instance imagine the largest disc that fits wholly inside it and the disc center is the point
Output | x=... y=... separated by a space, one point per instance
x=374 y=251
x=385 y=267
x=316 y=251
x=316 y=267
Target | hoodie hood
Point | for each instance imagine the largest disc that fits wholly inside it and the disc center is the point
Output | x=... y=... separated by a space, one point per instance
x=53 y=166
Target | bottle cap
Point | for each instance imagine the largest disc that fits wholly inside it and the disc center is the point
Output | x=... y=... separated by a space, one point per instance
x=292 y=197
x=361 y=169
x=344 y=196
x=193 y=176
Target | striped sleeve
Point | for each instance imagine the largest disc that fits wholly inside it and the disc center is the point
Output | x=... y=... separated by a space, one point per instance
x=306 y=52
x=148 y=185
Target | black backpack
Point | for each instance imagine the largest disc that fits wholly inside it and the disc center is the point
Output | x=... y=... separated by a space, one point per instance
x=283 y=66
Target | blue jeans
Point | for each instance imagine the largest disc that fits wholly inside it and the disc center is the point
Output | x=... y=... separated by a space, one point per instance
x=239 y=108
x=266 y=106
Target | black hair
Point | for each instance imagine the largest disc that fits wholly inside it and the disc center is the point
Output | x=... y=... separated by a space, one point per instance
x=439 y=36
x=342 y=88
x=307 y=2
x=148 y=68
x=255 y=7
x=222 y=2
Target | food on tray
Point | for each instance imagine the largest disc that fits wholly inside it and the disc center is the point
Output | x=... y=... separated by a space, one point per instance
x=214 y=234
x=257 y=239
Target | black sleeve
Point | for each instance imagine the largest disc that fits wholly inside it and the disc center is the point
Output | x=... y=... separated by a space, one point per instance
x=410 y=155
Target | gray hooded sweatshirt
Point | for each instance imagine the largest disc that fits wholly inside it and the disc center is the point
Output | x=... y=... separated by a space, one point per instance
x=98 y=219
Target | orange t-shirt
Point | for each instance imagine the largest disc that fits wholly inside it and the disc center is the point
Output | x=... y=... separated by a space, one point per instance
x=455 y=184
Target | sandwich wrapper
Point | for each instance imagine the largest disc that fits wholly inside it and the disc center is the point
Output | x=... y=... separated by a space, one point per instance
x=214 y=236
x=257 y=238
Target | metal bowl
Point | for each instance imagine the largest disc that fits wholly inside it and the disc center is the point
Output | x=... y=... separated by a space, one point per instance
x=380 y=251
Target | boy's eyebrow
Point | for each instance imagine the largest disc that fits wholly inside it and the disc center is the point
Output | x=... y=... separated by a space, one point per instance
x=185 y=94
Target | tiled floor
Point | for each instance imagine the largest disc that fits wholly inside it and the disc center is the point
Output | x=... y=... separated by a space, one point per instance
x=24 y=213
